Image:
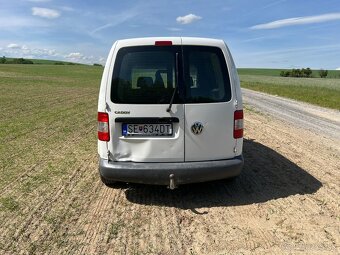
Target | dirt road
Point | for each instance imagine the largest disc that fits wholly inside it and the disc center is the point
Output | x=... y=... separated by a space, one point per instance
x=322 y=121
x=285 y=201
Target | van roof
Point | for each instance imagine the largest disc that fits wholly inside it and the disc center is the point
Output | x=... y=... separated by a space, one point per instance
x=174 y=40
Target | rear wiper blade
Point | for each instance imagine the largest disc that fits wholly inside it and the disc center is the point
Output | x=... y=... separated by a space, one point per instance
x=176 y=85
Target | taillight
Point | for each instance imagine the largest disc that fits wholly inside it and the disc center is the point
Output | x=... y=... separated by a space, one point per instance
x=238 y=124
x=163 y=43
x=103 y=126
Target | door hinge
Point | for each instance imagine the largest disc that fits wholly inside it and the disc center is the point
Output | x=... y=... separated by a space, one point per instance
x=236 y=104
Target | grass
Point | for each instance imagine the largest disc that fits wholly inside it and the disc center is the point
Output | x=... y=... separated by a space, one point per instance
x=322 y=92
x=42 y=106
x=114 y=230
x=276 y=72
x=46 y=61
x=9 y=203
x=47 y=132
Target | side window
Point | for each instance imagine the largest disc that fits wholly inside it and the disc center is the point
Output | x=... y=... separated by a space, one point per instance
x=208 y=79
x=144 y=75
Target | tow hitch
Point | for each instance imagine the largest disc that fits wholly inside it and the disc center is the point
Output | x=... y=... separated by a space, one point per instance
x=172 y=184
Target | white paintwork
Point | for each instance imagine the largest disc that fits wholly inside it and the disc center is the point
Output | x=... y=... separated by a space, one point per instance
x=215 y=142
x=148 y=149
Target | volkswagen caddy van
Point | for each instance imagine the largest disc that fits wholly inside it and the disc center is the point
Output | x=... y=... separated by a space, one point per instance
x=169 y=112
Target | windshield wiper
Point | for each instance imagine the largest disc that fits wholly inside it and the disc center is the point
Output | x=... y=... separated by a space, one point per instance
x=176 y=85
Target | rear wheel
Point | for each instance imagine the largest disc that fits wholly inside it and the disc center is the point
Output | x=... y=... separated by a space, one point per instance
x=107 y=182
x=112 y=184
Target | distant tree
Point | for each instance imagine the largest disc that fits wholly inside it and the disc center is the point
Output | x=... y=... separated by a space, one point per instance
x=285 y=73
x=323 y=73
x=17 y=60
x=26 y=61
x=59 y=63
x=304 y=72
x=21 y=61
x=95 y=64
x=296 y=73
x=3 y=60
x=308 y=72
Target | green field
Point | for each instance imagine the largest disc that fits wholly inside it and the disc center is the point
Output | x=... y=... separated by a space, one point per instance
x=47 y=151
x=41 y=105
x=276 y=72
x=43 y=62
x=324 y=92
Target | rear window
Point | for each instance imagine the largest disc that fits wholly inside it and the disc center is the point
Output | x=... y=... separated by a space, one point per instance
x=148 y=75
x=207 y=76
x=144 y=75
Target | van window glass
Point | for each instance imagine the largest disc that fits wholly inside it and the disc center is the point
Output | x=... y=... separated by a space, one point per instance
x=207 y=78
x=144 y=75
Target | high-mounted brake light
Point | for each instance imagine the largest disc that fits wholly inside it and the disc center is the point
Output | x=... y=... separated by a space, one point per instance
x=238 y=124
x=163 y=43
x=103 y=127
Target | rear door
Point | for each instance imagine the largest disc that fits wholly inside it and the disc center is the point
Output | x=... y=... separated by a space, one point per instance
x=143 y=82
x=209 y=108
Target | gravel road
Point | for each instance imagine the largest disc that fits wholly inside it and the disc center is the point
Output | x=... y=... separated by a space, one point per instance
x=322 y=121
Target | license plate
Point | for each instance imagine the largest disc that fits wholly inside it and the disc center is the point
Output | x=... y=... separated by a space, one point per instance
x=146 y=129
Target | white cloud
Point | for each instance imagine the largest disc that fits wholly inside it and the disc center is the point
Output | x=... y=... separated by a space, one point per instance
x=24 y=51
x=45 y=13
x=20 y=50
x=75 y=55
x=337 y=68
x=187 y=19
x=13 y=46
x=116 y=20
x=298 y=21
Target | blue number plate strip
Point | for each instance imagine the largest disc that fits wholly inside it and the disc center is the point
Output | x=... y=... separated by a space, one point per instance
x=124 y=129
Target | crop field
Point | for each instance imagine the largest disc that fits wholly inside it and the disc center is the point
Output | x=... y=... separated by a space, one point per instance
x=48 y=121
x=324 y=92
x=52 y=200
x=276 y=72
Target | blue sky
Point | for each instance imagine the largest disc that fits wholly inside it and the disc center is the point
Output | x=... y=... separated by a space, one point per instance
x=261 y=33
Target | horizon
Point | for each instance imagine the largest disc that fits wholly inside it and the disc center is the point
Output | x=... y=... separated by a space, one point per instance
x=93 y=64
x=282 y=34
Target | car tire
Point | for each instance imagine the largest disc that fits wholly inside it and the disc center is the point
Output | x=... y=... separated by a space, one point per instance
x=107 y=182
x=112 y=184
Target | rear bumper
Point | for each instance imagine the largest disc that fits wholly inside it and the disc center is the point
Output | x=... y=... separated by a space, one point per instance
x=158 y=173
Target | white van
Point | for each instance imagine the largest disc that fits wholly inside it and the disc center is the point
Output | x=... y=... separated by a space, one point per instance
x=169 y=112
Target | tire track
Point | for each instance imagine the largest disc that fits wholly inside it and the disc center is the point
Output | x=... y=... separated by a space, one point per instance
x=18 y=181
x=100 y=210
x=12 y=189
x=40 y=209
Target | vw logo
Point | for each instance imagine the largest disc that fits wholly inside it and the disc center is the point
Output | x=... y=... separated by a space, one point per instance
x=197 y=128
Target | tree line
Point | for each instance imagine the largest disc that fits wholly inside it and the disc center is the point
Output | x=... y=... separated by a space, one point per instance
x=304 y=72
x=4 y=60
